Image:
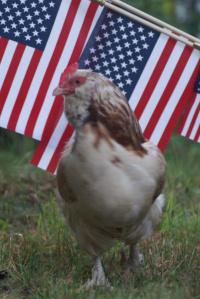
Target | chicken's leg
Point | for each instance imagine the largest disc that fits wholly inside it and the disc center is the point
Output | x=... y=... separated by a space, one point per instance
x=135 y=259
x=98 y=275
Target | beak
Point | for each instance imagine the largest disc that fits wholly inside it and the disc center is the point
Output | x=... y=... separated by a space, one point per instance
x=58 y=91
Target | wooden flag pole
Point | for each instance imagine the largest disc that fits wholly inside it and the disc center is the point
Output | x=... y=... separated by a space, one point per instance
x=152 y=22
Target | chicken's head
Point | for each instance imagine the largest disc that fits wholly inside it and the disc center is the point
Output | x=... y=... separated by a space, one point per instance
x=88 y=96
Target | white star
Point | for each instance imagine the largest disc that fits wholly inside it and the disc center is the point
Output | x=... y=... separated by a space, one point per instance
x=32 y=25
x=123 y=64
x=95 y=58
x=137 y=50
x=29 y=17
x=111 y=23
x=98 y=38
x=116 y=68
x=134 y=70
x=140 y=29
x=121 y=56
x=119 y=48
x=27 y=37
x=87 y=62
x=131 y=61
x=129 y=81
x=127 y=45
x=129 y=53
x=92 y=50
x=10 y=18
x=15 y=5
x=145 y=46
x=36 y=13
x=106 y=35
x=18 y=13
x=43 y=29
x=114 y=31
x=109 y=15
x=103 y=55
x=100 y=47
x=38 y=41
x=35 y=33
x=25 y=9
x=124 y=36
x=51 y=4
x=21 y=21
x=126 y=73
x=40 y=21
x=130 y=24
x=116 y=40
x=16 y=33
x=143 y=37
x=47 y=17
x=111 y=52
x=150 y=34
x=103 y=27
x=118 y=76
x=122 y=28
x=22 y=1
x=7 y=9
x=108 y=43
x=14 y=25
x=24 y=29
x=97 y=67
x=113 y=60
x=6 y=29
x=44 y=8
x=119 y=20
x=4 y=1
x=33 y=4
x=3 y=22
x=41 y=1
x=135 y=41
x=108 y=72
x=132 y=33
x=121 y=85
x=139 y=58
x=105 y=63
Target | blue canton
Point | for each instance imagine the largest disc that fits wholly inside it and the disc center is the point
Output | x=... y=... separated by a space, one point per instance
x=119 y=48
x=28 y=22
x=197 y=84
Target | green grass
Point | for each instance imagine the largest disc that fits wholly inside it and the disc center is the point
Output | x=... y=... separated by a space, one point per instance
x=43 y=260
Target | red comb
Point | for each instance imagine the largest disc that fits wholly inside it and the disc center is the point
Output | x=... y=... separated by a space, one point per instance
x=72 y=68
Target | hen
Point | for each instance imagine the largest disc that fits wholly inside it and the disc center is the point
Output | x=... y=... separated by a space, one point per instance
x=110 y=182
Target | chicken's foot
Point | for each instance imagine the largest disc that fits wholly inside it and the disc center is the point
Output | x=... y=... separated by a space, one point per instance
x=98 y=276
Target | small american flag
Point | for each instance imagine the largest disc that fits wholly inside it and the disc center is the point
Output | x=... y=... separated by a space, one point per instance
x=155 y=72
x=190 y=121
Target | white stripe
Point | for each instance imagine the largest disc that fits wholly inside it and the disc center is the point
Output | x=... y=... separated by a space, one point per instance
x=190 y=116
x=63 y=61
x=195 y=127
x=175 y=97
x=42 y=67
x=6 y=60
x=16 y=85
x=161 y=84
x=148 y=70
x=53 y=142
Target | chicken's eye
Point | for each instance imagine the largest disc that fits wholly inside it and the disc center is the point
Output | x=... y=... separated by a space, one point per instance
x=77 y=81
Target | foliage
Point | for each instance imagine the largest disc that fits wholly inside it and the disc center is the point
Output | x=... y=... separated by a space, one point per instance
x=43 y=261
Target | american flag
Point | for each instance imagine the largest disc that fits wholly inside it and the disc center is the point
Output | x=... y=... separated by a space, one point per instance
x=190 y=121
x=155 y=72
x=40 y=38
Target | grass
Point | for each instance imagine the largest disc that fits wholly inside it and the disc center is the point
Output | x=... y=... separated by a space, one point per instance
x=43 y=261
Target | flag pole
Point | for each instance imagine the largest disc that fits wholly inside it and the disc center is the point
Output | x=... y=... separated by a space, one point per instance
x=152 y=22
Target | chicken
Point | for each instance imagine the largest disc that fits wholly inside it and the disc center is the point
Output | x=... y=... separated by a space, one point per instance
x=111 y=180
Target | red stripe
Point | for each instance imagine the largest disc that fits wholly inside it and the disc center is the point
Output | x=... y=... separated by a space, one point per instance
x=180 y=106
x=24 y=90
x=196 y=138
x=56 y=156
x=155 y=77
x=168 y=91
x=52 y=66
x=186 y=113
x=56 y=110
x=10 y=74
x=3 y=44
x=193 y=121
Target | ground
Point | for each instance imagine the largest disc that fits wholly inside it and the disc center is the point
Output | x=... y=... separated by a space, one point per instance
x=40 y=259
